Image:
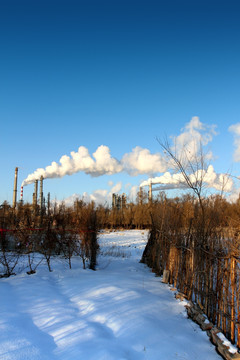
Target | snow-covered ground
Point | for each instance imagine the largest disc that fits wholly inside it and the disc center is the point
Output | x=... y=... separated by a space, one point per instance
x=121 y=311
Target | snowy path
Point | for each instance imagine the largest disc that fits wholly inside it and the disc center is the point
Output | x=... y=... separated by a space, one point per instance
x=122 y=311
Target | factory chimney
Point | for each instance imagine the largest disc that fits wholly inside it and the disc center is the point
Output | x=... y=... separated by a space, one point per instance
x=35 y=194
x=48 y=203
x=41 y=194
x=21 y=195
x=150 y=192
x=15 y=189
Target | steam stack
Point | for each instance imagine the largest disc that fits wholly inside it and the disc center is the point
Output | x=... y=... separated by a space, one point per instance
x=123 y=201
x=119 y=201
x=150 y=192
x=35 y=194
x=15 y=189
x=48 y=204
x=41 y=194
x=21 y=195
x=114 y=201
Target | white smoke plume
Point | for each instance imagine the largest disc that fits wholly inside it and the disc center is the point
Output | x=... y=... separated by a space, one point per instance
x=220 y=182
x=235 y=129
x=139 y=161
x=166 y=178
x=186 y=147
x=171 y=187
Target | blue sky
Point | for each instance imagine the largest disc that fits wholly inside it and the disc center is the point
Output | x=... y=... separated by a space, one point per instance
x=113 y=73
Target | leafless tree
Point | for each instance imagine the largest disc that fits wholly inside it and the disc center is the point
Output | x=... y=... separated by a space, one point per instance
x=8 y=257
x=191 y=165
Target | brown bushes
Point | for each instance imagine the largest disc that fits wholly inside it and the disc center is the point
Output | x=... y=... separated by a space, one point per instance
x=64 y=231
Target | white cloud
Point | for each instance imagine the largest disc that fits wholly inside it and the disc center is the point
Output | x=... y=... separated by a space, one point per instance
x=235 y=129
x=194 y=134
x=234 y=195
x=133 y=193
x=116 y=188
x=100 y=196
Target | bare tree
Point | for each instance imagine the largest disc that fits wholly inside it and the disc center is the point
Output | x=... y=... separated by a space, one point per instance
x=8 y=258
x=49 y=245
x=191 y=165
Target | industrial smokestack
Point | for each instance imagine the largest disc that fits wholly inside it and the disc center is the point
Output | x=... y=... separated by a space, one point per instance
x=36 y=190
x=150 y=192
x=15 y=188
x=114 y=200
x=48 y=203
x=35 y=194
x=21 y=195
x=41 y=193
x=123 y=201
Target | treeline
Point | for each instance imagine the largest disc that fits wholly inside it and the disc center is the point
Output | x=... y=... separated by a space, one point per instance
x=198 y=243
x=31 y=234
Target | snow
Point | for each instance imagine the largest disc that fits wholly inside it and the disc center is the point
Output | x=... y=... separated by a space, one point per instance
x=232 y=349
x=122 y=311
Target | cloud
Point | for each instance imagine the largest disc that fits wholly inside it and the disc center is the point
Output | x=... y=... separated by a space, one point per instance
x=235 y=129
x=234 y=195
x=100 y=196
x=193 y=135
x=116 y=188
x=133 y=193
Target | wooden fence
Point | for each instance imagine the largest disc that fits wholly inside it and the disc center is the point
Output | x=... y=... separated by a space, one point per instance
x=208 y=275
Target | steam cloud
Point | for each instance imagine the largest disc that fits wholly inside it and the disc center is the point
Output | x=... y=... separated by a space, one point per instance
x=187 y=144
x=139 y=161
x=210 y=178
x=142 y=161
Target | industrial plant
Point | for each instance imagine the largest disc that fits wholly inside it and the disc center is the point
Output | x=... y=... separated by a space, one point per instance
x=38 y=202
x=119 y=201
